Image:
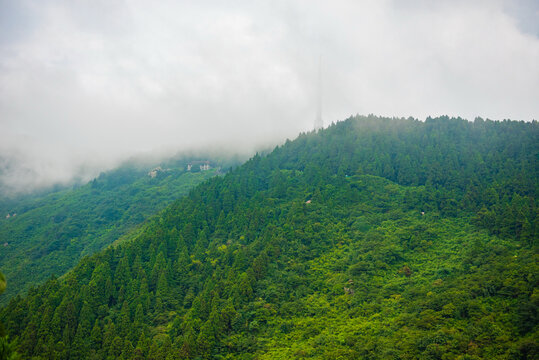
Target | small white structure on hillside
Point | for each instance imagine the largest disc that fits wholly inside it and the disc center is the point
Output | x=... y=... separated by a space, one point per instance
x=153 y=173
x=203 y=165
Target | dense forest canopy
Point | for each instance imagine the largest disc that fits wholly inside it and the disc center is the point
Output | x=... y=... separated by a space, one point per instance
x=374 y=238
x=45 y=235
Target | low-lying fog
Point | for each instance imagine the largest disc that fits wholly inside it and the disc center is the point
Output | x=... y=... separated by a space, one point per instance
x=87 y=84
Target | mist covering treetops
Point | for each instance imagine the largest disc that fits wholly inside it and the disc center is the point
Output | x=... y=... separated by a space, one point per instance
x=374 y=238
x=47 y=234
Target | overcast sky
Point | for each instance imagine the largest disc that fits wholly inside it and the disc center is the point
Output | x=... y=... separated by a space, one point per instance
x=87 y=83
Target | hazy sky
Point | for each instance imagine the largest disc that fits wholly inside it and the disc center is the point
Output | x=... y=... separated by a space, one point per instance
x=86 y=83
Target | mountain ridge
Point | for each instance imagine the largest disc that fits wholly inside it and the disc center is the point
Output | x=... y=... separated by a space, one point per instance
x=357 y=241
x=47 y=234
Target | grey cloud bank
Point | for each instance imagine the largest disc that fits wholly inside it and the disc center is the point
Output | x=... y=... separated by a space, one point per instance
x=86 y=84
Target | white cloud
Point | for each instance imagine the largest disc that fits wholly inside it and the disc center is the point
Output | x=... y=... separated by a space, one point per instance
x=106 y=79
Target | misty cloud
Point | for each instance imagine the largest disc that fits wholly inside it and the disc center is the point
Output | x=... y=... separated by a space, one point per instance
x=86 y=84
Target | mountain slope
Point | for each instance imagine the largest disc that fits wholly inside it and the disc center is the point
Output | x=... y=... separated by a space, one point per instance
x=375 y=238
x=48 y=235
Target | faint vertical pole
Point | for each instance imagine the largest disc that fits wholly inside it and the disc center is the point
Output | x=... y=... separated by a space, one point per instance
x=318 y=123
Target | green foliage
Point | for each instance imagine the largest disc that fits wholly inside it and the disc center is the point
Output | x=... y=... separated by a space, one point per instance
x=3 y=283
x=50 y=234
x=376 y=238
x=7 y=348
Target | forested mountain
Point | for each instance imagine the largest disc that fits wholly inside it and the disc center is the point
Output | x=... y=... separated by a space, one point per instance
x=373 y=239
x=45 y=235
